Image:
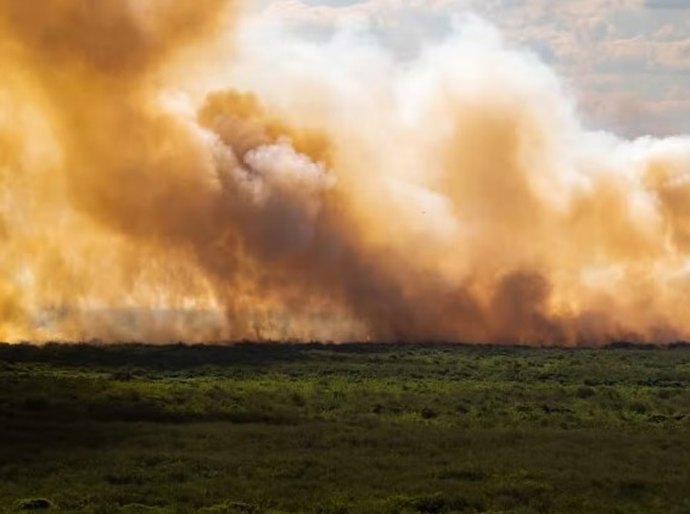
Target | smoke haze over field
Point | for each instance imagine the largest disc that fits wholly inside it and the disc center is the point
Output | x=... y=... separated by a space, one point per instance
x=182 y=170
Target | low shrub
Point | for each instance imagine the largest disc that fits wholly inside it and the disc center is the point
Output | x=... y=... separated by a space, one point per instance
x=428 y=413
x=34 y=504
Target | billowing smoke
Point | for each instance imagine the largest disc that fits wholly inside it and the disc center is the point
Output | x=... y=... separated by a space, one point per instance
x=170 y=170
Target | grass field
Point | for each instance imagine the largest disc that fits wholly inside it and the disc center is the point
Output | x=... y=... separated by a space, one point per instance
x=340 y=429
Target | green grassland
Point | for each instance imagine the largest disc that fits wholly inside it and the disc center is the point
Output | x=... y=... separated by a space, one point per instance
x=344 y=429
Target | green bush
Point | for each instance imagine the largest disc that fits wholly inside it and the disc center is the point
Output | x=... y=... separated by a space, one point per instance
x=232 y=508
x=428 y=413
x=585 y=392
x=34 y=504
x=434 y=504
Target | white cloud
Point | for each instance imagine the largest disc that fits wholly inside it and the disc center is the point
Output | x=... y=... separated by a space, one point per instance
x=629 y=52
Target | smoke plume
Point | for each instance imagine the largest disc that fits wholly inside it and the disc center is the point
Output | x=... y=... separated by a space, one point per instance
x=174 y=170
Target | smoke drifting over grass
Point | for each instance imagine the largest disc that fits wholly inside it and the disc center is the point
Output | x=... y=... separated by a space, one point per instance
x=285 y=188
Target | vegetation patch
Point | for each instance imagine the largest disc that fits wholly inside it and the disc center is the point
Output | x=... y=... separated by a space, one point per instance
x=347 y=429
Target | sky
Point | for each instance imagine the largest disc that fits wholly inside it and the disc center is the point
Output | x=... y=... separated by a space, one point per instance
x=626 y=61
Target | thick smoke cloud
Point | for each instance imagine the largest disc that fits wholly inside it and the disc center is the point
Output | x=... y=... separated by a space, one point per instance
x=312 y=190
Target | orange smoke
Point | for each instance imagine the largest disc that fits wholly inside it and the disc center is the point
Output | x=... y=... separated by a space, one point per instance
x=452 y=197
